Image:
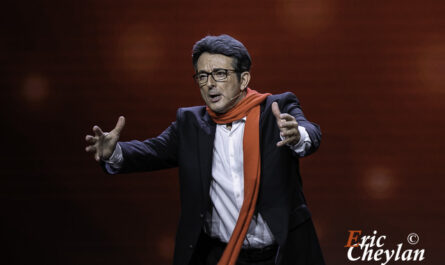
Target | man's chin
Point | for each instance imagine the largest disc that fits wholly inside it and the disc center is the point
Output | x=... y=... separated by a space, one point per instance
x=216 y=108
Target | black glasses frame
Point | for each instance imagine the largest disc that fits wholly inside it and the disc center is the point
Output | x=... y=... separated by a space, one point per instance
x=214 y=71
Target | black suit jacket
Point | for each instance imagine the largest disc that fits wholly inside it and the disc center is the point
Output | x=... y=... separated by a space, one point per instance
x=188 y=144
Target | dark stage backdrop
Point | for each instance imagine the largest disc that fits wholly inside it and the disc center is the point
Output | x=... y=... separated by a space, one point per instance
x=371 y=73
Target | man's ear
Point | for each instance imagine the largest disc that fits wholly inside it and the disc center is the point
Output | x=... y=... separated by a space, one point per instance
x=244 y=79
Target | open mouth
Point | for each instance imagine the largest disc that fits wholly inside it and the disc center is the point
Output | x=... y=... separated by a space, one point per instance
x=215 y=98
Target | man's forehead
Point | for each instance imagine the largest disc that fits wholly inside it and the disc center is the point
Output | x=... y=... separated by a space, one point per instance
x=209 y=61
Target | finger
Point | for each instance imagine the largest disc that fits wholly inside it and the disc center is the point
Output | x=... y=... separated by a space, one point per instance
x=96 y=157
x=288 y=133
x=90 y=148
x=90 y=139
x=276 y=111
x=281 y=143
x=119 y=125
x=286 y=141
x=97 y=131
x=289 y=124
x=287 y=117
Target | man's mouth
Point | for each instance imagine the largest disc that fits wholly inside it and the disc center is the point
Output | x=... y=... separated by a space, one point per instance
x=215 y=98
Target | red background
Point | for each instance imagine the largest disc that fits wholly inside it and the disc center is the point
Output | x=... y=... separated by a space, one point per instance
x=371 y=73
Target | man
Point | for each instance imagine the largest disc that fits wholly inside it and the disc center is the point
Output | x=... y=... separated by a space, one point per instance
x=241 y=192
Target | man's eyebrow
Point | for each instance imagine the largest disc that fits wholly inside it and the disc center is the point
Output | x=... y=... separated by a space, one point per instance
x=214 y=69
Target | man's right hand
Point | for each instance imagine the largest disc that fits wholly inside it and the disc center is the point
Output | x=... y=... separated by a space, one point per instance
x=103 y=144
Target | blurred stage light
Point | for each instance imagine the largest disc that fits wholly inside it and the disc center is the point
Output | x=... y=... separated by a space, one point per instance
x=138 y=50
x=306 y=17
x=380 y=183
x=166 y=245
x=432 y=66
x=35 y=89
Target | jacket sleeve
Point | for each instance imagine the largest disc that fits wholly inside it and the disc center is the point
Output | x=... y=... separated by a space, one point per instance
x=152 y=154
x=290 y=104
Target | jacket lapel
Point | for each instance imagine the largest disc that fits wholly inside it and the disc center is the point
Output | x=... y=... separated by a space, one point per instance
x=262 y=117
x=206 y=134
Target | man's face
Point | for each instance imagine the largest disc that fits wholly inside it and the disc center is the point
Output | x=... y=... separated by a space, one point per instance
x=221 y=96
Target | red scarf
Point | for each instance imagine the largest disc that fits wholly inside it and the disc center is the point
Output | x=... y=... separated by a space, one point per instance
x=249 y=106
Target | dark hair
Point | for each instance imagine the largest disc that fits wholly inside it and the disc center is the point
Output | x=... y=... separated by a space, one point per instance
x=225 y=45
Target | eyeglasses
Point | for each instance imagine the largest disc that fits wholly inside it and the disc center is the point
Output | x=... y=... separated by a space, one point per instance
x=218 y=75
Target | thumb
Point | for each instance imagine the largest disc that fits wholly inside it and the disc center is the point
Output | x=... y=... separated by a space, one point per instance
x=119 y=125
x=276 y=111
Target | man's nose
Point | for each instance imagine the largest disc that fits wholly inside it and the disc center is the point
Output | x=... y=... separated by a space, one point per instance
x=210 y=81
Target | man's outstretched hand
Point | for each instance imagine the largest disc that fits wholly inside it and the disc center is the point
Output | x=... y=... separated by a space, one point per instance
x=288 y=126
x=103 y=144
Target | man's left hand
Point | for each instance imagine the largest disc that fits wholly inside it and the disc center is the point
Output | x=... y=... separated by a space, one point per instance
x=288 y=126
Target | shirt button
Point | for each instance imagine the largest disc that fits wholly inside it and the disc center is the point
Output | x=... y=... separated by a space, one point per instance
x=190 y=246
x=201 y=215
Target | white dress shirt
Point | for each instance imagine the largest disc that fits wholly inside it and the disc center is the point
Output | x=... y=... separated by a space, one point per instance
x=227 y=186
